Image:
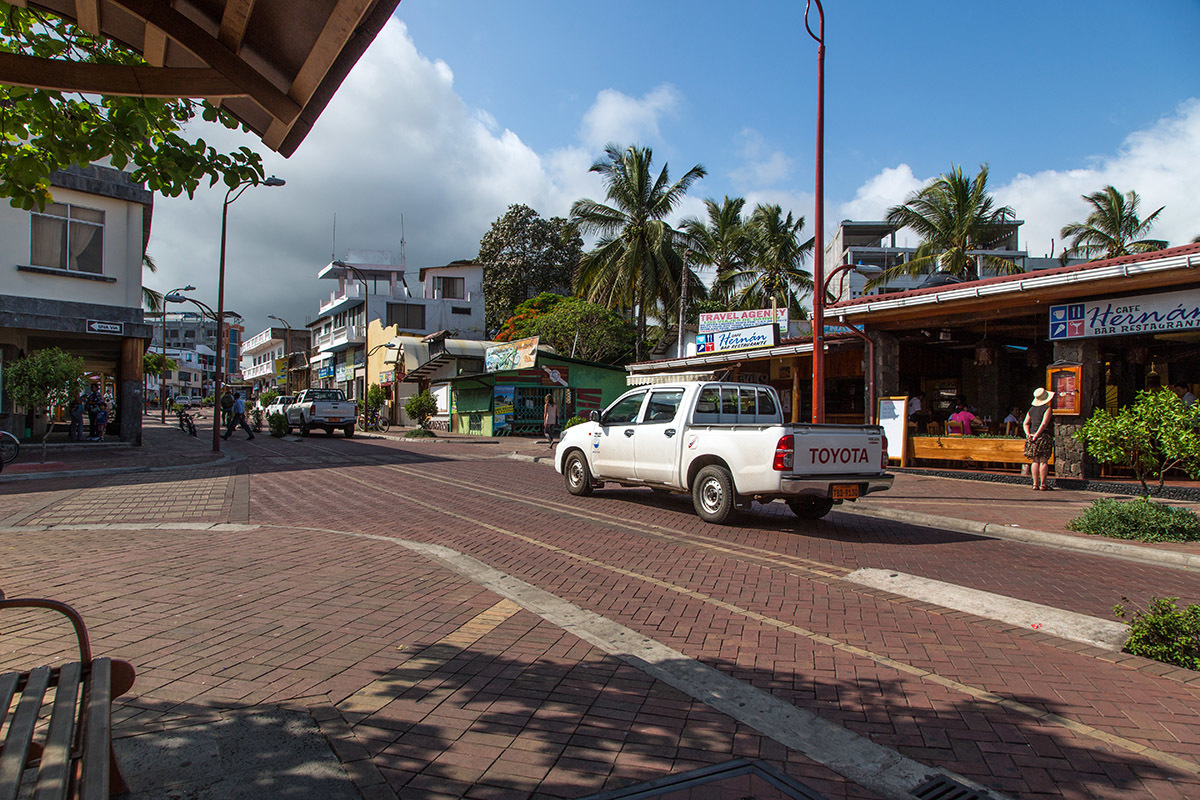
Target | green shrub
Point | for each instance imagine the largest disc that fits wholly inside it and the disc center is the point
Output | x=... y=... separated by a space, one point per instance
x=420 y=433
x=421 y=408
x=1139 y=519
x=1164 y=633
x=256 y=419
x=573 y=421
x=1157 y=433
x=267 y=397
x=278 y=424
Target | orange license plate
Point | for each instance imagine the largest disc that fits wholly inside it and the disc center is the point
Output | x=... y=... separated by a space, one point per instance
x=845 y=491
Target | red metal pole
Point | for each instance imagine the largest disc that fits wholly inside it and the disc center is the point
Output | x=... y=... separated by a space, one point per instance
x=818 y=321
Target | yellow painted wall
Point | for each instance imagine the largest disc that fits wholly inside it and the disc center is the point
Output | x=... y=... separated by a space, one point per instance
x=377 y=334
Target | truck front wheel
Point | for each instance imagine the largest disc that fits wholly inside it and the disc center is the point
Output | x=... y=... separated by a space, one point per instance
x=712 y=494
x=577 y=475
x=810 y=507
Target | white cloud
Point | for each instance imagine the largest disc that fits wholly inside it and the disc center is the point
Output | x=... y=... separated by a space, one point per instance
x=617 y=117
x=1160 y=163
x=760 y=167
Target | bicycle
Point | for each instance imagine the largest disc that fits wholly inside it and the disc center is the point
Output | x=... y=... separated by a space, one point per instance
x=186 y=423
x=10 y=446
x=374 y=421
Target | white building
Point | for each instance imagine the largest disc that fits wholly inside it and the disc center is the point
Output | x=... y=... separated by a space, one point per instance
x=192 y=377
x=74 y=281
x=370 y=287
x=276 y=358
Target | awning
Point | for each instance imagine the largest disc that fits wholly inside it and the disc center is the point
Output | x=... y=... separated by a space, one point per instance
x=667 y=377
x=270 y=63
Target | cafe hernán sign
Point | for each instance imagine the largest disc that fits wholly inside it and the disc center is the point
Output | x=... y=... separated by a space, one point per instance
x=1150 y=313
x=742 y=339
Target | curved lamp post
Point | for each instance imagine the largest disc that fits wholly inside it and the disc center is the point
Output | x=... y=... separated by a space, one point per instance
x=162 y=369
x=233 y=194
x=818 y=357
x=366 y=359
x=362 y=279
x=869 y=370
x=287 y=356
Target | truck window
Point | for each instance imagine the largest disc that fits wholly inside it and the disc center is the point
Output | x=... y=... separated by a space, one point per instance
x=663 y=405
x=625 y=411
x=747 y=404
x=766 y=405
x=729 y=405
x=708 y=405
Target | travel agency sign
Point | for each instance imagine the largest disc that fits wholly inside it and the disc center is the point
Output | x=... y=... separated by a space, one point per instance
x=1149 y=313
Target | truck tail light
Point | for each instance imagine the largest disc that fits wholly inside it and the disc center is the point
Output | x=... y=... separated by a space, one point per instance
x=785 y=452
x=883 y=465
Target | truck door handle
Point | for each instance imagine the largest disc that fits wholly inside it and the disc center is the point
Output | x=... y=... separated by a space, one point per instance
x=628 y=432
x=669 y=432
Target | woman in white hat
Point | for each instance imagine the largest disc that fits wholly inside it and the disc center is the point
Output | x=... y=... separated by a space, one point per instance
x=1039 y=442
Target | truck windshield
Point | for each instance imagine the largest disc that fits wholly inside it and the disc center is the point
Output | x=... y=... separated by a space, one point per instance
x=325 y=395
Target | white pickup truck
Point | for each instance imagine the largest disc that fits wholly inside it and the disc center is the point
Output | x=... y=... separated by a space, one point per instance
x=321 y=408
x=726 y=444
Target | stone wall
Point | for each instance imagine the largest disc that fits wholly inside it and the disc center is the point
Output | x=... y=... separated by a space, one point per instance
x=1071 y=461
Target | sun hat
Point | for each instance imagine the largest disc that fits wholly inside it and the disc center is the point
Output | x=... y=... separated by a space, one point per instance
x=1041 y=397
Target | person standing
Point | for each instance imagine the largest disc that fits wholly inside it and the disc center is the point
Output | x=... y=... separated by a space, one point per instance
x=92 y=402
x=101 y=421
x=237 y=416
x=549 y=418
x=75 y=431
x=1039 y=440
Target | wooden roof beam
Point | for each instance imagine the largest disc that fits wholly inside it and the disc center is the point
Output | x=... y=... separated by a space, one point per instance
x=341 y=25
x=234 y=22
x=114 y=79
x=87 y=16
x=196 y=40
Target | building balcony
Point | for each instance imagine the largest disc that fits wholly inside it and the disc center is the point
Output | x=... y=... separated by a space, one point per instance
x=343 y=338
x=339 y=301
x=261 y=341
x=258 y=370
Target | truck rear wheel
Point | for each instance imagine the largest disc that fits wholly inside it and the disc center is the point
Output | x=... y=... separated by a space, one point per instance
x=810 y=507
x=303 y=427
x=712 y=494
x=577 y=475
x=349 y=431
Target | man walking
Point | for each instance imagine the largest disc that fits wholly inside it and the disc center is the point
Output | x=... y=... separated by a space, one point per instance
x=238 y=417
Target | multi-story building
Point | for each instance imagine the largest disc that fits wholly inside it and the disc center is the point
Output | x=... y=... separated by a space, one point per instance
x=276 y=358
x=192 y=376
x=187 y=329
x=873 y=244
x=370 y=287
x=74 y=281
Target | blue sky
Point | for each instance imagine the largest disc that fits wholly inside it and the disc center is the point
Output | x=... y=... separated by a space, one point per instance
x=462 y=107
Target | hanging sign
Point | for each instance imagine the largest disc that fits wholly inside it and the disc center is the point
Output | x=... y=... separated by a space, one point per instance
x=743 y=339
x=521 y=354
x=1148 y=313
x=732 y=320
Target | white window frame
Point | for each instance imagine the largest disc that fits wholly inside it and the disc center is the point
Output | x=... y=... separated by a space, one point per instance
x=68 y=220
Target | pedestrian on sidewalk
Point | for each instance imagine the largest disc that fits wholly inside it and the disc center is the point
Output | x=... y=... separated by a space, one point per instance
x=92 y=402
x=101 y=422
x=549 y=418
x=237 y=416
x=1039 y=441
x=75 y=412
x=226 y=406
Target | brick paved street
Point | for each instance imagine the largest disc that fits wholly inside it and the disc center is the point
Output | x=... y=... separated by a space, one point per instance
x=459 y=626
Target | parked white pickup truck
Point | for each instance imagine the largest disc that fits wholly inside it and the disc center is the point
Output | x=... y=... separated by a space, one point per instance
x=321 y=408
x=726 y=445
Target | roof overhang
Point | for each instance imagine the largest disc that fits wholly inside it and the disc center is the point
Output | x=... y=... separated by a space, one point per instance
x=268 y=64
x=1013 y=295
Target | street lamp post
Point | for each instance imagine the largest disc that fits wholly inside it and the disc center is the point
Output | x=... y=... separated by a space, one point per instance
x=217 y=376
x=162 y=368
x=363 y=279
x=287 y=356
x=818 y=325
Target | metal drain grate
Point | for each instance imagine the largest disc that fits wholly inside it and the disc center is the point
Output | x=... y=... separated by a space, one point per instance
x=939 y=787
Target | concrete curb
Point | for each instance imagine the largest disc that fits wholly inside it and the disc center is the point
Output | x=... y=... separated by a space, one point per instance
x=226 y=458
x=1129 y=552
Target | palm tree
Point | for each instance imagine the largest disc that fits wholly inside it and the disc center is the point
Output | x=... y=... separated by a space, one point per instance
x=953 y=215
x=722 y=242
x=638 y=259
x=152 y=300
x=1112 y=228
x=773 y=273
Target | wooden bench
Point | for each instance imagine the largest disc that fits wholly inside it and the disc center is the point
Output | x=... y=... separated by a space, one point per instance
x=74 y=756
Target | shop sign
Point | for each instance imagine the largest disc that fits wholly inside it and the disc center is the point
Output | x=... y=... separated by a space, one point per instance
x=502 y=408
x=281 y=369
x=732 y=320
x=1149 y=313
x=324 y=372
x=743 y=339
x=521 y=354
x=344 y=373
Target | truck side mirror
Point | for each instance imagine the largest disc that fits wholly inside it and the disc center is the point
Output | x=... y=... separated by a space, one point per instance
x=593 y=416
